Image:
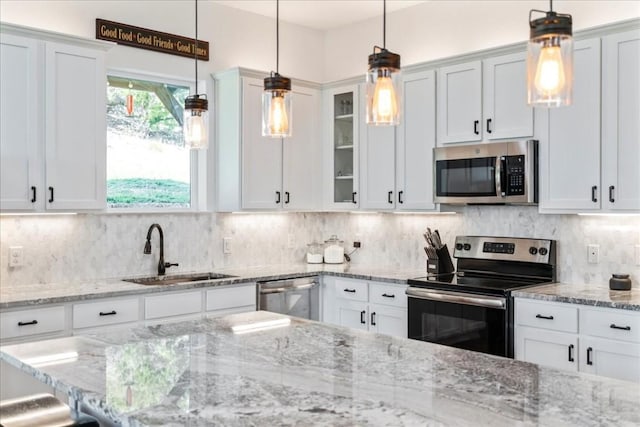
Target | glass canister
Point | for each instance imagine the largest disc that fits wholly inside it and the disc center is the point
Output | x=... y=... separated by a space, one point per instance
x=333 y=250
x=315 y=252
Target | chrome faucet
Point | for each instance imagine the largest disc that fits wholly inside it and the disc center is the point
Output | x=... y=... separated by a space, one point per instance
x=162 y=266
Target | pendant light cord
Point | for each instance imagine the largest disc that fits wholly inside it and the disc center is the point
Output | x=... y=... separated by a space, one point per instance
x=277 y=36
x=551 y=5
x=195 y=54
x=384 y=24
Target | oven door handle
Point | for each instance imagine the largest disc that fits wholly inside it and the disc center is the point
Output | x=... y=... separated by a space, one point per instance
x=457 y=298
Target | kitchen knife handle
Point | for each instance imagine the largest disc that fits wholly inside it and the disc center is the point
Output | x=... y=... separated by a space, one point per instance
x=594 y=197
x=33 y=194
x=390 y=197
x=611 y=188
x=571 y=359
x=362 y=319
x=488 y=125
x=589 y=352
x=400 y=193
x=475 y=127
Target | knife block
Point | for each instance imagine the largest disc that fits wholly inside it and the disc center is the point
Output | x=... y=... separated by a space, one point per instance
x=442 y=264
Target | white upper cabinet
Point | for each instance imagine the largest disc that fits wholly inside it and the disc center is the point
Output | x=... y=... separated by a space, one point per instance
x=505 y=109
x=460 y=103
x=20 y=167
x=484 y=100
x=570 y=155
x=260 y=173
x=415 y=140
x=53 y=137
x=621 y=121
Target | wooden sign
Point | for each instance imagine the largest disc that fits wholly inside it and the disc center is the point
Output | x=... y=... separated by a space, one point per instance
x=143 y=38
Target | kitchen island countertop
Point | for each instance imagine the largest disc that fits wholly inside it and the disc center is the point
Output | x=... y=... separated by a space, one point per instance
x=276 y=370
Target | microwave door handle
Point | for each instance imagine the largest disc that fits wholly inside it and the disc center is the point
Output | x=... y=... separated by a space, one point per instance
x=501 y=176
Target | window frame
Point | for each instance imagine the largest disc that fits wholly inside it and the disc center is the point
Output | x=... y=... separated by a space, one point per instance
x=198 y=158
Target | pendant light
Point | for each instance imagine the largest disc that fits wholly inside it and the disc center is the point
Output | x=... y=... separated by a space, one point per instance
x=196 y=116
x=276 y=98
x=550 y=59
x=383 y=83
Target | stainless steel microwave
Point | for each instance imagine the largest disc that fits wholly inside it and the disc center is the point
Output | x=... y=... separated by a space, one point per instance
x=493 y=173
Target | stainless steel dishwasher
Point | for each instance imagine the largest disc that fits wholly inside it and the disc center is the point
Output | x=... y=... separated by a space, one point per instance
x=295 y=297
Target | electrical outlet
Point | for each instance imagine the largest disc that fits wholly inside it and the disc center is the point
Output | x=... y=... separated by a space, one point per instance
x=637 y=254
x=226 y=245
x=291 y=241
x=593 y=254
x=16 y=256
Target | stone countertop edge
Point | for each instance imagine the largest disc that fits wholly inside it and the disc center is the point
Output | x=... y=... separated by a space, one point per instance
x=595 y=295
x=27 y=296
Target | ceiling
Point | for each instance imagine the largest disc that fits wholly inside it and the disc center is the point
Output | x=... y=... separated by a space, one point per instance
x=320 y=14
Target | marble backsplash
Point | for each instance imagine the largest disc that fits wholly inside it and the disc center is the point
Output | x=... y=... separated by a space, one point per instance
x=84 y=247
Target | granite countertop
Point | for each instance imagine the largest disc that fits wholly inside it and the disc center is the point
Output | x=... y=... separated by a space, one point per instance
x=299 y=372
x=56 y=293
x=594 y=294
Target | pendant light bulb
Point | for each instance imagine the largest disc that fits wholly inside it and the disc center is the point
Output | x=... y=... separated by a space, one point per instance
x=195 y=119
x=383 y=85
x=276 y=97
x=550 y=60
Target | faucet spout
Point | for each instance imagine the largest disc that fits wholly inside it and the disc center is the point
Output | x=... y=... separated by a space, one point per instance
x=162 y=266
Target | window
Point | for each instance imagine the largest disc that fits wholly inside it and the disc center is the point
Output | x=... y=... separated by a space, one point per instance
x=148 y=166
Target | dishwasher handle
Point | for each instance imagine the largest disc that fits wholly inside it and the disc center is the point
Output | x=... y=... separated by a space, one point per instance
x=264 y=291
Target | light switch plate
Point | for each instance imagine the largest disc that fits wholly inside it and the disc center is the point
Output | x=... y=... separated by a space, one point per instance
x=593 y=254
x=226 y=245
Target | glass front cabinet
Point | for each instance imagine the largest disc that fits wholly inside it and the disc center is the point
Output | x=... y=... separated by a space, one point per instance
x=342 y=159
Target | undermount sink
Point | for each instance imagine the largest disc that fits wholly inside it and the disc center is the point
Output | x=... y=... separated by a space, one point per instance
x=183 y=278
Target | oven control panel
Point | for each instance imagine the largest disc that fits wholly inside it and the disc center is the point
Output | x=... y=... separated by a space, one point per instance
x=505 y=248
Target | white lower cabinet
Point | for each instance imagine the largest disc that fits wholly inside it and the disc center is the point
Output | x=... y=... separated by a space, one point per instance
x=106 y=312
x=32 y=323
x=368 y=306
x=166 y=306
x=601 y=341
x=231 y=299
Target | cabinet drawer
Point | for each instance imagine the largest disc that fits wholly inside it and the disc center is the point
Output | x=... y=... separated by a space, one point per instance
x=388 y=294
x=556 y=317
x=169 y=305
x=31 y=322
x=224 y=298
x=107 y=312
x=613 y=324
x=354 y=290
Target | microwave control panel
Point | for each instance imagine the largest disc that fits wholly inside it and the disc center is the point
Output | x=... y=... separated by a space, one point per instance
x=515 y=175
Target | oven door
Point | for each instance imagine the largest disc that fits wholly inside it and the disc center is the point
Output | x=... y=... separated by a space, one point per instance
x=462 y=320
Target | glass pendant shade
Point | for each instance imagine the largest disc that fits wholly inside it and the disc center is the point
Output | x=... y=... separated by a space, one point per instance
x=550 y=61
x=383 y=89
x=276 y=107
x=196 y=122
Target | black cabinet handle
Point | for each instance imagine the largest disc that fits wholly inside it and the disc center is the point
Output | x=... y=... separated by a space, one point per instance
x=109 y=313
x=623 y=328
x=589 y=352
x=475 y=127
x=594 y=197
x=50 y=194
x=611 y=188
x=390 y=197
x=33 y=194
x=488 y=125
x=373 y=318
x=388 y=295
x=540 y=316
x=400 y=193
x=33 y=322
x=277 y=197
x=571 y=353
x=286 y=197
x=362 y=319
x=353 y=197
x=353 y=291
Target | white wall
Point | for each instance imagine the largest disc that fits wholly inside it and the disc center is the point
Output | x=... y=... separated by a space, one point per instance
x=236 y=38
x=439 y=29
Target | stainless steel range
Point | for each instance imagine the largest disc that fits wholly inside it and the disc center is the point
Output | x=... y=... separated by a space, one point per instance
x=473 y=307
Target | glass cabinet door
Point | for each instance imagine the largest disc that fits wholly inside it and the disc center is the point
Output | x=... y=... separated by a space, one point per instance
x=344 y=189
